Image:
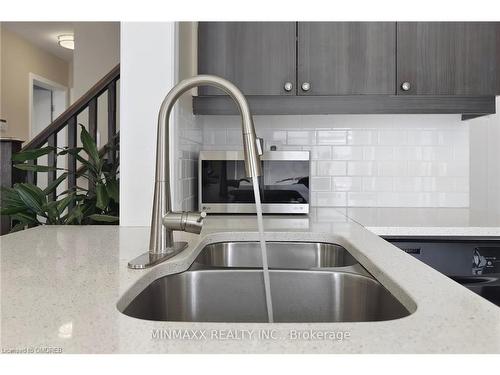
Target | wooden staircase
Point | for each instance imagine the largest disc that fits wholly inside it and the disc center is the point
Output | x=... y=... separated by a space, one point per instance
x=66 y=121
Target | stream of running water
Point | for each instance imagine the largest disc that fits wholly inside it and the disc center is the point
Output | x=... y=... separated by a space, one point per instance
x=265 y=267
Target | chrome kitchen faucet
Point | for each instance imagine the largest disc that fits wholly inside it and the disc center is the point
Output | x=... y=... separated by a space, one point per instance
x=163 y=220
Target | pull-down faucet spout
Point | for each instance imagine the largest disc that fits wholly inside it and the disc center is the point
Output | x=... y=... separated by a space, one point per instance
x=163 y=220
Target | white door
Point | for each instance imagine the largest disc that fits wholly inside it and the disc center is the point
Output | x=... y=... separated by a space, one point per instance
x=42 y=110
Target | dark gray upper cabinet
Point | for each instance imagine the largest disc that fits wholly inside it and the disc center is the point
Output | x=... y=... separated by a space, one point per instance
x=346 y=58
x=258 y=57
x=446 y=58
x=352 y=67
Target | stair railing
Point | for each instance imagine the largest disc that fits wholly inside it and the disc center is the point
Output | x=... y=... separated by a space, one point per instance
x=67 y=121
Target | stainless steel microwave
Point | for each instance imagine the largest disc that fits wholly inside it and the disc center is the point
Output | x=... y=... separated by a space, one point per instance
x=284 y=184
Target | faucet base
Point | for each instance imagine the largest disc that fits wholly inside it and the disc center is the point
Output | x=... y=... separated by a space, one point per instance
x=148 y=259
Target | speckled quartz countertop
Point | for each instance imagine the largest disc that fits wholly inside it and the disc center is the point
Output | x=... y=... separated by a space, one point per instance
x=61 y=286
x=439 y=222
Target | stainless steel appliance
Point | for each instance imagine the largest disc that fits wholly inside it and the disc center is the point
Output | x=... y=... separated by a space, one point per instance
x=471 y=262
x=284 y=184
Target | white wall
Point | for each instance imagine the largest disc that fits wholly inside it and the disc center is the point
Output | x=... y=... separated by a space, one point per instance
x=20 y=59
x=485 y=167
x=147 y=74
x=97 y=51
x=148 y=71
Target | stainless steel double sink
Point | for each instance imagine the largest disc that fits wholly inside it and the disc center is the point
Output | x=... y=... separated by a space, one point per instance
x=310 y=282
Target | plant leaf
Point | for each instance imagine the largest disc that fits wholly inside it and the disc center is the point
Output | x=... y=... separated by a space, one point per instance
x=32 y=196
x=54 y=184
x=18 y=227
x=71 y=151
x=104 y=218
x=11 y=210
x=32 y=154
x=89 y=145
x=63 y=203
x=53 y=214
x=75 y=215
x=25 y=217
x=88 y=207
x=10 y=197
x=113 y=189
x=90 y=166
x=35 y=167
x=102 y=196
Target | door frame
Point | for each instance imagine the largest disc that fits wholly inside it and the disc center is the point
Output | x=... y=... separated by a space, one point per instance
x=37 y=80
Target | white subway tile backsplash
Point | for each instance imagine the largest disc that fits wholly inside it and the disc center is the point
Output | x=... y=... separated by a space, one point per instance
x=423 y=137
x=279 y=136
x=214 y=136
x=361 y=137
x=406 y=184
x=327 y=214
x=437 y=153
x=453 y=199
x=321 y=183
x=321 y=152
x=191 y=138
x=378 y=183
x=420 y=168
x=301 y=137
x=360 y=168
x=437 y=184
x=331 y=168
x=234 y=137
x=392 y=137
x=457 y=137
x=273 y=138
x=452 y=168
x=314 y=168
x=392 y=168
x=330 y=199
x=363 y=199
x=378 y=153
x=347 y=183
x=408 y=153
x=347 y=153
x=358 y=161
x=332 y=137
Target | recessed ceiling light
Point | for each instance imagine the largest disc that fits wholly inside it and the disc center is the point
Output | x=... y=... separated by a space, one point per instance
x=66 y=41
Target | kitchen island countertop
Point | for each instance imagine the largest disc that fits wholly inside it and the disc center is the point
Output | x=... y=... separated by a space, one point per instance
x=434 y=222
x=62 y=287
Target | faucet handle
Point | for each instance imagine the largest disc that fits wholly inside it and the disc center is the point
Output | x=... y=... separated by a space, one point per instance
x=203 y=215
x=260 y=145
x=184 y=221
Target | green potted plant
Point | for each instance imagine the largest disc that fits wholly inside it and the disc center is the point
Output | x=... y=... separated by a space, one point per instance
x=97 y=203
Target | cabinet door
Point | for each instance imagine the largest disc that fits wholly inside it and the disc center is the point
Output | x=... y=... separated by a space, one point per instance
x=258 y=57
x=446 y=58
x=346 y=58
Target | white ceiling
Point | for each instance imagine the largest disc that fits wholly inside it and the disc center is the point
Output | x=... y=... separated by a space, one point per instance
x=44 y=35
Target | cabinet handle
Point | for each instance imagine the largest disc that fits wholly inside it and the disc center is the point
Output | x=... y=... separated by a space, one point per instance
x=288 y=86
x=406 y=86
x=306 y=86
